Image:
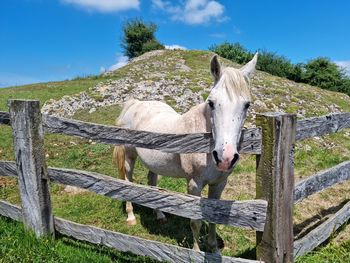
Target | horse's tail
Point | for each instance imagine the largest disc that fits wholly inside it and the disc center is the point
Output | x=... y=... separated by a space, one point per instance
x=119 y=160
x=119 y=155
x=119 y=151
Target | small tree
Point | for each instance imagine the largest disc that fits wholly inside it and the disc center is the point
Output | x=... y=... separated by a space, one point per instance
x=323 y=73
x=139 y=38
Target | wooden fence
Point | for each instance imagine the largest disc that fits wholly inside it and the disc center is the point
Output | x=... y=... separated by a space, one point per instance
x=271 y=214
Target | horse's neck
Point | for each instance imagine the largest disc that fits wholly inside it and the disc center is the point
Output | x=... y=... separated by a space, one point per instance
x=197 y=119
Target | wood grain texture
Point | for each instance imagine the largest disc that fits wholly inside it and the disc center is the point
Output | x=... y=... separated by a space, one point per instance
x=8 y=168
x=246 y=214
x=33 y=181
x=12 y=211
x=189 y=143
x=275 y=184
x=125 y=243
x=250 y=140
x=172 y=143
x=320 y=234
x=321 y=180
x=139 y=246
x=4 y=118
x=179 y=143
x=319 y=126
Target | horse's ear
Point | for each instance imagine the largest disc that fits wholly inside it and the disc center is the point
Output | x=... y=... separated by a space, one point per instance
x=249 y=68
x=215 y=68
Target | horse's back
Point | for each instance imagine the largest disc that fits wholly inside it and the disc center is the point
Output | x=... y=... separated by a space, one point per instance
x=152 y=116
x=158 y=117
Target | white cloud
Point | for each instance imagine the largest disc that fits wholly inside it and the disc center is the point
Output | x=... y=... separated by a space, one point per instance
x=193 y=12
x=345 y=65
x=121 y=62
x=175 y=47
x=105 y=6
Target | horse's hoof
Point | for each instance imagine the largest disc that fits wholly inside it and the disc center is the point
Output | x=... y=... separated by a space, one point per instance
x=131 y=222
x=196 y=248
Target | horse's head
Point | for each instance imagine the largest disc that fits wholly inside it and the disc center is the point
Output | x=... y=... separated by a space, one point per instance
x=228 y=103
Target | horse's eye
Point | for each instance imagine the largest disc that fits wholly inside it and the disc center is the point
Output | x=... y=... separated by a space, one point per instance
x=211 y=104
x=247 y=105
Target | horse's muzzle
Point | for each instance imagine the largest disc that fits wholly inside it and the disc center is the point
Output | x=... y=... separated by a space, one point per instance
x=225 y=165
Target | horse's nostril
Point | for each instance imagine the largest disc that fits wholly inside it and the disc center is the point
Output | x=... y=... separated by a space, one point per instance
x=216 y=158
x=234 y=160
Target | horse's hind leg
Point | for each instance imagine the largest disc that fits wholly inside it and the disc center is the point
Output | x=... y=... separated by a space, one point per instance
x=125 y=159
x=131 y=220
x=152 y=180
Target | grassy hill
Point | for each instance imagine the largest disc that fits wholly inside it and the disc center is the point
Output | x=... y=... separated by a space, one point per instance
x=182 y=79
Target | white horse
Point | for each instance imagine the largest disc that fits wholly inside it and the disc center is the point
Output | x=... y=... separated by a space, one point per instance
x=223 y=114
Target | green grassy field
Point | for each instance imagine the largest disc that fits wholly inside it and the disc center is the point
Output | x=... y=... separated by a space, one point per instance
x=64 y=151
x=19 y=245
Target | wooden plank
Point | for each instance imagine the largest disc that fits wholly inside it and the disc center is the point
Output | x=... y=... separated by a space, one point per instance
x=4 y=118
x=172 y=143
x=12 y=211
x=306 y=128
x=8 y=168
x=250 y=142
x=320 y=234
x=275 y=184
x=321 y=181
x=122 y=242
x=247 y=214
x=28 y=138
x=319 y=126
x=310 y=127
x=139 y=246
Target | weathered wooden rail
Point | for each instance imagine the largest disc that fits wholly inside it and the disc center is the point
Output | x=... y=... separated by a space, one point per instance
x=247 y=214
x=271 y=215
x=125 y=243
x=322 y=180
x=182 y=143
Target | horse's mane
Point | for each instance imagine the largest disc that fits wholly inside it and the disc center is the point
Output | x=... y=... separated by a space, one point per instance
x=235 y=83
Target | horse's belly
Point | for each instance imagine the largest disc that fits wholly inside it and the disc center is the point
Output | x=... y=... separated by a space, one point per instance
x=166 y=164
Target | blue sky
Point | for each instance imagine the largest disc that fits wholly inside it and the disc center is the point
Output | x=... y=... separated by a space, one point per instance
x=44 y=40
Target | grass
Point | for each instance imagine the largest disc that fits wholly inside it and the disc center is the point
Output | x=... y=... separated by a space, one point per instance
x=87 y=208
x=46 y=91
x=329 y=254
x=19 y=245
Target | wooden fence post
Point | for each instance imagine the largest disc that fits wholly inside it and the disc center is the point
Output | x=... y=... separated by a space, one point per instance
x=28 y=138
x=275 y=184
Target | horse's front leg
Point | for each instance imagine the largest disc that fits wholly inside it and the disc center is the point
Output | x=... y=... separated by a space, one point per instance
x=195 y=188
x=215 y=191
x=152 y=180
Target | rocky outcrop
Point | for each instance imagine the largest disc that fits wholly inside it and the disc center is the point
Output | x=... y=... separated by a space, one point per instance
x=182 y=79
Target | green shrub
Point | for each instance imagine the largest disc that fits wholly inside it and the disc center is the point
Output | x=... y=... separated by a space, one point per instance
x=139 y=38
x=323 y=73
x=275 y=64
x=151 y=45
x=235 y=52
x=319 y=72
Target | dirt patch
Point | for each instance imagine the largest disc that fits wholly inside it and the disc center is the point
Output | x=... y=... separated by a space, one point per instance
x=7 y=182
